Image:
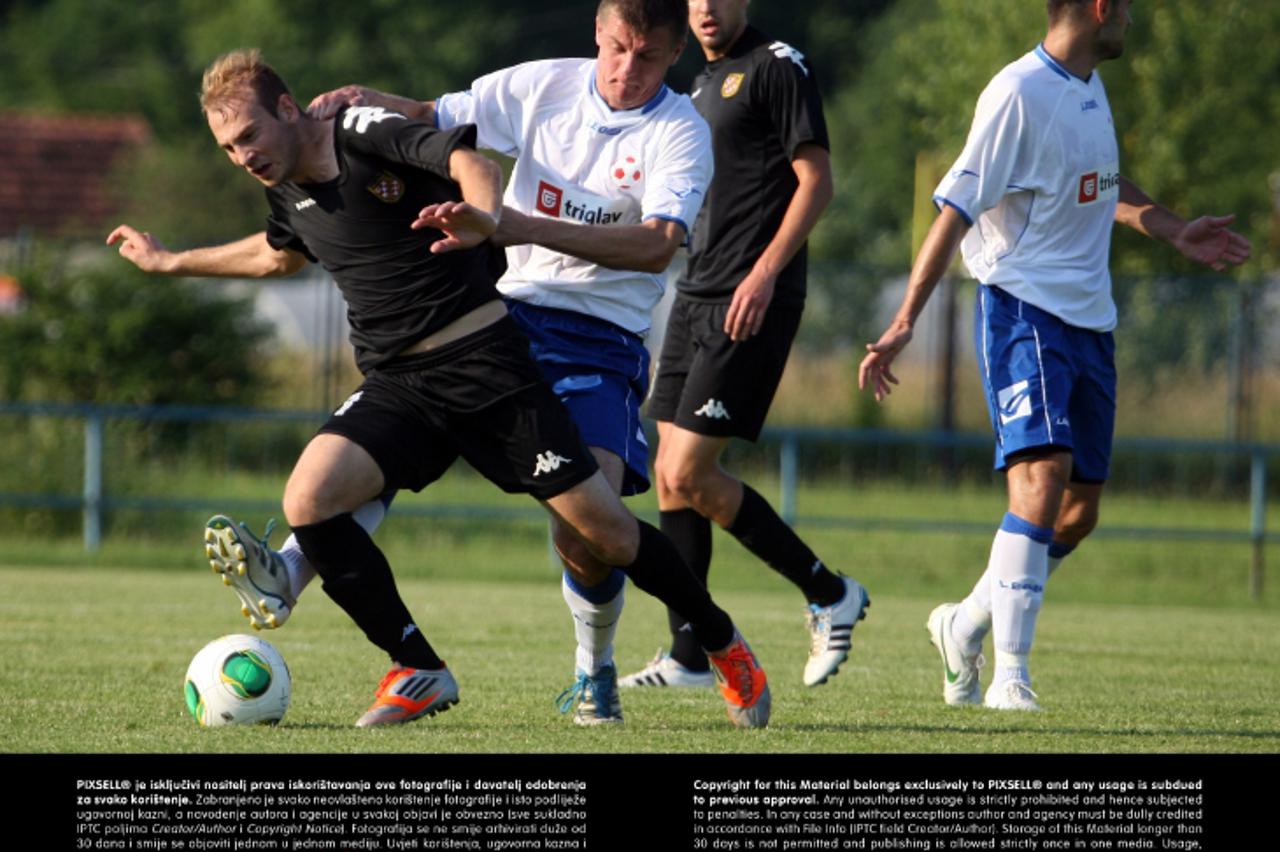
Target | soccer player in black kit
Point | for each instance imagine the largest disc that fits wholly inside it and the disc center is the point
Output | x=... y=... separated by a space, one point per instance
x=736 y=312
x=368 y=194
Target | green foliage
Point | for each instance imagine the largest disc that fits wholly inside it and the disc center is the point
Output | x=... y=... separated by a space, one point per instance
x=1193 y=97
x=114 y=334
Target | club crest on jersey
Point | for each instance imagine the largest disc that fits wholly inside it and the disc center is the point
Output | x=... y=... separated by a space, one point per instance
x=1101 y=183
x=387 y=187
x=731 y=84
x=549 y=198
x=626 y=173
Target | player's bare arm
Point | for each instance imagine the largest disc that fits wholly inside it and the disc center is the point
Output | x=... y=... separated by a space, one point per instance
x=251 y=257
x=1205 y=240
x=325 y=106
x=940 y=246
x=647 y=247
x=751 y=298
x=473 y=220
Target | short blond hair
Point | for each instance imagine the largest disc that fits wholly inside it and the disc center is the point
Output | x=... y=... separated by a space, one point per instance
x=227 y=78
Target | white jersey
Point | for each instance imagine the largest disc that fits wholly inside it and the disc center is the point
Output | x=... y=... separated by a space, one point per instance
x=1039 y=179
x=578 y=159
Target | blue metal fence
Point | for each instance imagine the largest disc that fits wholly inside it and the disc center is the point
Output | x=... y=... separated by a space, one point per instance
x=93 y=501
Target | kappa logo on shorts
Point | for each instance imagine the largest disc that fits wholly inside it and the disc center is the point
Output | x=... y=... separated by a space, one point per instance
x=548 y=462
x=714 y=409
x=1014 y=401
x=346 y=406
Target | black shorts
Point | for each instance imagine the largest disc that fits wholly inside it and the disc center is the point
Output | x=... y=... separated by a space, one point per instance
x=709 y=384
x=481 y=398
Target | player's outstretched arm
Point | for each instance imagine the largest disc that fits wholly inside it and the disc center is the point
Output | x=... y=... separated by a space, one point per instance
x=325 y=106
x=473 y=220
x=251 y=257
x=1205 y=240
x=814 y=190
x=647 y=247
x=931 y=264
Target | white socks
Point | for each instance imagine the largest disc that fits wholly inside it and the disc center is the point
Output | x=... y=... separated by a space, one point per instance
x=1008 y=596
x=596 y=610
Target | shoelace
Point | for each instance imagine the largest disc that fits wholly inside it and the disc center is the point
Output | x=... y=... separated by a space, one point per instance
x=818 y=620
x=266 y=534
x=386 y=681
x=564 y=701
x=738 y=661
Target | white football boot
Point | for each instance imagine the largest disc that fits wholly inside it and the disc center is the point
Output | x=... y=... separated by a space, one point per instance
x=663 y=670
x=831 y=632
x=254 y=571
x=1011 y=695
x=959 y=670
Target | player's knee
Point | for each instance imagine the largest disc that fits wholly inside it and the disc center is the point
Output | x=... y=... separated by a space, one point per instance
x=685 y=483
x=1075 y=523
x=304 y=503
x=615 y=542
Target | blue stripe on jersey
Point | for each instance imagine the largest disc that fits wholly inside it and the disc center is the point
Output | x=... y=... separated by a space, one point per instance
x=1013 y=524
x=939 y=201
x=667 y=218
x=644 y=109
x=1056 y=66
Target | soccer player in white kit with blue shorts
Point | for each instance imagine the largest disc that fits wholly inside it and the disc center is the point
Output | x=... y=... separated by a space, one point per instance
x=1030 y=203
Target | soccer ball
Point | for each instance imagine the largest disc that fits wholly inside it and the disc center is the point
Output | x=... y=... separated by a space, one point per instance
x=237 y=680
x=626 y=173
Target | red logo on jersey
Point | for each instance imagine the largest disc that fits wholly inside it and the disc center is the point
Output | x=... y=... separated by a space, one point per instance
x=1088 y=187
x=549 y=198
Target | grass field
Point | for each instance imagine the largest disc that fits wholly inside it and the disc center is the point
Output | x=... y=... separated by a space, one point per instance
x=1144 y=646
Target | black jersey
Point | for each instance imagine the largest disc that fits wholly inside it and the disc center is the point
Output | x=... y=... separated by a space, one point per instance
x=357 y=227
x=762 y=103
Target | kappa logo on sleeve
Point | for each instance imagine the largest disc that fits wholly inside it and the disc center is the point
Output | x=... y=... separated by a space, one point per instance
x=361 y=117
x=782 y=50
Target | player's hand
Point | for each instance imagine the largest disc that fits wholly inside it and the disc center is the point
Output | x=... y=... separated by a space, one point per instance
x=141 y=249
x=751 y=299
x=326 y=106
x=464 y=225
x=1206 y=240
x=874 y=370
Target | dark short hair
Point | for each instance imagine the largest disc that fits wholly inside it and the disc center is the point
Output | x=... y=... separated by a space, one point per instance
x=230 y=74
x=1057 y=7
x=643 y=16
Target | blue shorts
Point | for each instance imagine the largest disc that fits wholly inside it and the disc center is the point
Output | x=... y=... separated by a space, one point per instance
x=1048 y=384
x=601 y=374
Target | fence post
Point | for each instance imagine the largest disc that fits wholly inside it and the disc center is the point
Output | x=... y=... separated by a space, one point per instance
x=789 y=464
x=1258 y=523
x=93 y=431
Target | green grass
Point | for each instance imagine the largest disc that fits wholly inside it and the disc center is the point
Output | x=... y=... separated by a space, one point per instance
x=91 y=660
x=1145 y=645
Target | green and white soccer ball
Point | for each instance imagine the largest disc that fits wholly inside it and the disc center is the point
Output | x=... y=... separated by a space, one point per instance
x=238 y=680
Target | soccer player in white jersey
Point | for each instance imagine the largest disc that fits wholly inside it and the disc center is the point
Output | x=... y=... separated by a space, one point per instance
x=611 y=168
x=1030 y=202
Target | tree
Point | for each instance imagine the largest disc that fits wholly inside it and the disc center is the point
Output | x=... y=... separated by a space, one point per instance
x=1193 y=97
x=112 y=334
